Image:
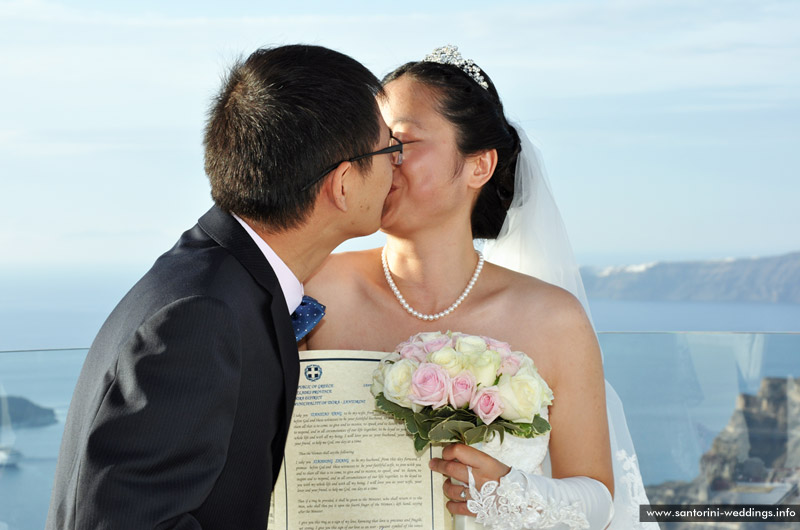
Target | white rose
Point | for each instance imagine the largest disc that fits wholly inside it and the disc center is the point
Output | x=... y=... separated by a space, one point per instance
x=379 y=375
x=427 y=336
x=523 y=396
x=449 y=359
x=397 y=382
x=529 y=368
x=526 y=366
x=470 y=344
x=484 y=366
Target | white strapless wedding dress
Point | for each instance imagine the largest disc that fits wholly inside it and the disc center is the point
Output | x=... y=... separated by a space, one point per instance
x=530 y=455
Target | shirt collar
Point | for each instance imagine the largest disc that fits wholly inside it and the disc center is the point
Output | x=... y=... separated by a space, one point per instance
x=290 y=285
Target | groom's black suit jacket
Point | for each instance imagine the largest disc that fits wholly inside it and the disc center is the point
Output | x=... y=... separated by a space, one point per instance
x=181 y=411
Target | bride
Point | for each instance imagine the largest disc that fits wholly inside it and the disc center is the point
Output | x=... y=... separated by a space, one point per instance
x=467 y=174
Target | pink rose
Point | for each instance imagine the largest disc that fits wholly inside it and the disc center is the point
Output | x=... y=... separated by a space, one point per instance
x=509 y=364
x=462 y=387
x=486 y=403
x=500 y=347
x=430 y=385
x=436 y=344
x=413 y=351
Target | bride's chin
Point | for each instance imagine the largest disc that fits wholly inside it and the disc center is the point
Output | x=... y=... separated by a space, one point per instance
x=385 y=225
x=388 y=225
x=386 y=216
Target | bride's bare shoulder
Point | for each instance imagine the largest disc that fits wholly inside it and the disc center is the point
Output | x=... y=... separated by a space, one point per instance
x=545 y=316
x=535 y=297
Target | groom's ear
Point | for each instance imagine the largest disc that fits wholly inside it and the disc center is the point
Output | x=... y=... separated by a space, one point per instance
x=482 y=167
x=336 y=185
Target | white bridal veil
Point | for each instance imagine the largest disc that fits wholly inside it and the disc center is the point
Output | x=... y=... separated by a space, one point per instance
x=534 y=241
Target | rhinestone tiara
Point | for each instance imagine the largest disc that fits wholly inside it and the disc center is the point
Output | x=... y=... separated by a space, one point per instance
x=450 y=55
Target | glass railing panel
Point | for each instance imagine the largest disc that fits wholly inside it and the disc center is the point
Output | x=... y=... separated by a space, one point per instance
x=35 y=391
x=715 y=418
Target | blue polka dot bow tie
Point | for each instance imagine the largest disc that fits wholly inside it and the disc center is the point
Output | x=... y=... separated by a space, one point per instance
x=306 y=316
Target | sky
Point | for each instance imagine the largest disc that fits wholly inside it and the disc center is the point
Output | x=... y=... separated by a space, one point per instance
x=669 y=129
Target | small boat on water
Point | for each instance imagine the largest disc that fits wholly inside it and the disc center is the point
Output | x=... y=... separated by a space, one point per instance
x=9 y=457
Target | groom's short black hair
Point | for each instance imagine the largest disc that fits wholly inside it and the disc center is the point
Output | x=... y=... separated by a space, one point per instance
x=282 y=117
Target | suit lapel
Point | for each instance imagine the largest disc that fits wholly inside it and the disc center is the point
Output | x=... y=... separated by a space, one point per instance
x=226 y=231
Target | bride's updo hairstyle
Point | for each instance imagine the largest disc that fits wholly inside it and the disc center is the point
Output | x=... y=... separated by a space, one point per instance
x=468 y=99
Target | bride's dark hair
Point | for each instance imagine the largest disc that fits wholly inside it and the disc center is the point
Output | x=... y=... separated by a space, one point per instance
x=477 y=114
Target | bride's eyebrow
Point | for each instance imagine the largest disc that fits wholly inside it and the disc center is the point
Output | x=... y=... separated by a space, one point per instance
x=409 y=121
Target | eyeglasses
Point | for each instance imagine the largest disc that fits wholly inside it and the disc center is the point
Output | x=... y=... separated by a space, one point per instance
x=395 y=149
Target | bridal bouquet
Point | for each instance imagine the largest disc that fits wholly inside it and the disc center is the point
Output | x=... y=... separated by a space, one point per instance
x=452 y=387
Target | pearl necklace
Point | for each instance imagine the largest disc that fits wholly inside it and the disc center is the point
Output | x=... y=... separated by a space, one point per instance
x=436 y=316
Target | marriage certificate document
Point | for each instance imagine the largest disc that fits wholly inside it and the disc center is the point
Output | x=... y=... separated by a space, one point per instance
x=348 y=466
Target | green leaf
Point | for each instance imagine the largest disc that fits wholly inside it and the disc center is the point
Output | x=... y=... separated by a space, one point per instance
x=440 y=433
x=420 y=443
x=460 y=427
x=505 y=424
x=444 y=412
x=496 y=430
x=450 y=430
x=475 y=435
x=465 y=415
x=390 y=407
x=414 y=422
x=523 y=430
x=411 y=425
x=425 y=425
x=540 y=425
x=421 y=417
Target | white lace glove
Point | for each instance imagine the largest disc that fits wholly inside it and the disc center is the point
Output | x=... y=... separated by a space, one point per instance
x=528 y=501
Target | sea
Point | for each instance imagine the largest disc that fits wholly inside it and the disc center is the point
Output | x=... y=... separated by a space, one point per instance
x=678 y=389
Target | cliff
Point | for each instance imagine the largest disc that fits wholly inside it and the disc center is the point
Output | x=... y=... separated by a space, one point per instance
x=766 y=280
x=24 y=413
x=754 y=460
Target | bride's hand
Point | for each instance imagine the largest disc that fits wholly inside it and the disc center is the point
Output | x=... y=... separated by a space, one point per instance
x=453 y=464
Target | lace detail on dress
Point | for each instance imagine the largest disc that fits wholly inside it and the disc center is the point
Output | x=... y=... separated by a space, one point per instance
x=516 y=507
x=631 y=479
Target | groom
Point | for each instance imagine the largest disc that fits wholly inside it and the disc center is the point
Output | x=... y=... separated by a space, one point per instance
x=180 y=414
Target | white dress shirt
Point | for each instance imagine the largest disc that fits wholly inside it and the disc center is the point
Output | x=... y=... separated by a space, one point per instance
x=290 y=285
